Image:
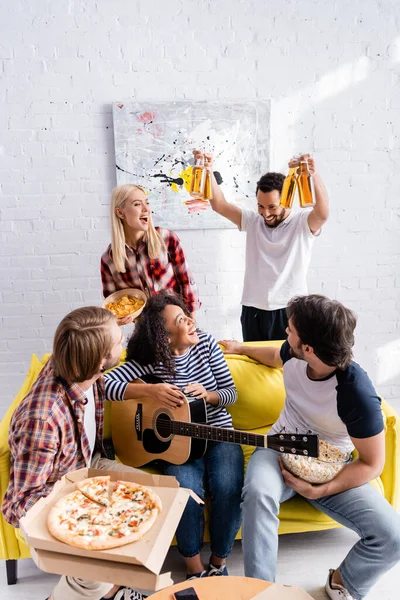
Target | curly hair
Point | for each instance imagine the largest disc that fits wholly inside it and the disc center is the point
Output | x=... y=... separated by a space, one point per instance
x=325 y=325
x=149 y=343
x=270 y=182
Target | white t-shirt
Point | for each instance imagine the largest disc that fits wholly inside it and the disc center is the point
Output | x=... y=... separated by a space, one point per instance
x=89 y=420
x=277 y=259
x=341 y=405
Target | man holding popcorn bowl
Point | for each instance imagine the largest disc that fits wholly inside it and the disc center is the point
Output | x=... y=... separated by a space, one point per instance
x=329 y=394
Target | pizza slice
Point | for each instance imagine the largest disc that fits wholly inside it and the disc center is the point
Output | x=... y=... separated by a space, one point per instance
x=143 y=497
x=96 y=489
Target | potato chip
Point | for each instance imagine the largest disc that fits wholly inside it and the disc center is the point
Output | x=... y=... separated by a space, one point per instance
x=125 y=306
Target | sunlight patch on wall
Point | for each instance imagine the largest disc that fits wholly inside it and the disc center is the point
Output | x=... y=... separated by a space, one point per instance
x=388 y=362
x=287 y=112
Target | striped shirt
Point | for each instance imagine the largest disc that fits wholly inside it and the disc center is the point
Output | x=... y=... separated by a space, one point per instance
x=47 y=439
x=202 y=363
x=169 y=271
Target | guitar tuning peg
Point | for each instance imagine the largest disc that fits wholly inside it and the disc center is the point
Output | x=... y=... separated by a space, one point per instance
x=281 y=449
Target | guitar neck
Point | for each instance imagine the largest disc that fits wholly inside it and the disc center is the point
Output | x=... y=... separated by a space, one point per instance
x=218 y=434
x=293 y=443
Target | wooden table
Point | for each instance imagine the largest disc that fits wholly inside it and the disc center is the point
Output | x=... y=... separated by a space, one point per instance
x=217 y=588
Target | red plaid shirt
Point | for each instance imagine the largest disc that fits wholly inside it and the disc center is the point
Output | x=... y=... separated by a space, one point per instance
x=47 y=440
x=169 y=271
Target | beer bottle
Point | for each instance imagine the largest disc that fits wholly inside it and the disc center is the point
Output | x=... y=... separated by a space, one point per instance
x=289 y=189
x=305 y=183
x=198 y=177
x=207 y=186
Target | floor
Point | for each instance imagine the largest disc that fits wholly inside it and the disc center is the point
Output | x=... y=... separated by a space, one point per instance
x=304 y=560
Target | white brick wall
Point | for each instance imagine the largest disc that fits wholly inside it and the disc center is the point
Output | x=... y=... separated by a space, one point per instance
x=333 y=72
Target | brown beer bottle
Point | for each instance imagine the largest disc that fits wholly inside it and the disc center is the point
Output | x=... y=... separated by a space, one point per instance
x=289 y=189
x=305 y=183
x=197 y=182
x=207 y=186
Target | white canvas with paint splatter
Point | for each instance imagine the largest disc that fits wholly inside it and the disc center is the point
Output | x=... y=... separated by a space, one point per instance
x=153 y=148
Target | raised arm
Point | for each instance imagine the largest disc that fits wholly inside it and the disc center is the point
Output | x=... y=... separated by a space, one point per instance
x=218 y=202
x=320 y=213
x=268 y=356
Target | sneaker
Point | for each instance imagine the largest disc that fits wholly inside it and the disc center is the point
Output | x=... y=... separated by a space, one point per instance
x=217 y=571
x=338 y=592
x=195 y=575
x=125 y=593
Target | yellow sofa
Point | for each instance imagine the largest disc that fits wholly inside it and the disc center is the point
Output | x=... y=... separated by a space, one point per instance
x=260 y=400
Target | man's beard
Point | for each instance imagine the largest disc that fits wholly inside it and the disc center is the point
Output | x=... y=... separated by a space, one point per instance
x=297 y=353
x=277 y=220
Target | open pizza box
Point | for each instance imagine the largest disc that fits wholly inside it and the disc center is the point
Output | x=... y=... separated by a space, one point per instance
x=282 y=592
x=138 y=564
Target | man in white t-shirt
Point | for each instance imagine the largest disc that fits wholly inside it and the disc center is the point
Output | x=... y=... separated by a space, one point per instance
x=327 y=393
x=278 y=249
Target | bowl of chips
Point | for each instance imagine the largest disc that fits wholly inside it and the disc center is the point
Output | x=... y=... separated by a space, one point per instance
x=126 y=303
x=330 y=461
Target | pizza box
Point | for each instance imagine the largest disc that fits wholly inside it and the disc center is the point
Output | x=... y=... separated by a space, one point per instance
x=126 y=565
x=282 y=592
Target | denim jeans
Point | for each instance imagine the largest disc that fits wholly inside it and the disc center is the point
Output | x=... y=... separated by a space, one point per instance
x=220 y=474
x=362 y=509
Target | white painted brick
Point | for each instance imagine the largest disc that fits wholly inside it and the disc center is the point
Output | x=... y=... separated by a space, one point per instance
x=69 y=74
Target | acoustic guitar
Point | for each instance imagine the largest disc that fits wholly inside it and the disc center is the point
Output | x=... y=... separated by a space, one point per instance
x=143 y=431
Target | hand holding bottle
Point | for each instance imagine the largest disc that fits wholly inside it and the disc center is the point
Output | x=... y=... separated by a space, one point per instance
x=200 y=187
x=296 y=160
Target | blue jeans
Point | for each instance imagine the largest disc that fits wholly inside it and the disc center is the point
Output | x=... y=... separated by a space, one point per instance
x=220 y=474
x=362 y=509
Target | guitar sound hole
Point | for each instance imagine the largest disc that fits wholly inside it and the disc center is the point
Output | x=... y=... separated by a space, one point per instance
x=163 y=425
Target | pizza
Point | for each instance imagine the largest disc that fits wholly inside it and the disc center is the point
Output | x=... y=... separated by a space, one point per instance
x=96 y=488
x=103 y=514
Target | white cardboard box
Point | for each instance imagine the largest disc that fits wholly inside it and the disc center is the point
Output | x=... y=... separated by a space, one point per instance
x=137 y=564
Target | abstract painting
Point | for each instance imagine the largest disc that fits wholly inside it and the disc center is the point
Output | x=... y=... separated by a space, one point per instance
x=153 y=148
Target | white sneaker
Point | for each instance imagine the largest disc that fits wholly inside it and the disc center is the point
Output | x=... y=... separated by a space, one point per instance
x=338 y=592
x=125 y=593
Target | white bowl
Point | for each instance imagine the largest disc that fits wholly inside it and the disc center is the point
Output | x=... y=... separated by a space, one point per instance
x=331 y=460
x=127 y=292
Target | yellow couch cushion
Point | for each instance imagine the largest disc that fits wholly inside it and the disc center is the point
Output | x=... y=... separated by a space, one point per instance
x=260 y=390
x=33 y=371
x=11 y=546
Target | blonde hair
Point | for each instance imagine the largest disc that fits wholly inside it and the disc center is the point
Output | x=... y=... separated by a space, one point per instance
x=153 y=239
x=82 y=340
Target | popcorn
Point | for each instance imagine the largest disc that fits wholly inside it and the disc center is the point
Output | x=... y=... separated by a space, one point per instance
x=317 y=470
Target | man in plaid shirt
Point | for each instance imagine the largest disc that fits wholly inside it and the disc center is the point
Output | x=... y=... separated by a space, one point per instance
x=58 y=427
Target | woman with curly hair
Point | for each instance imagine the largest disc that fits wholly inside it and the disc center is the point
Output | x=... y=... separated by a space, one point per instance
x=166 y=344
x=141 y=255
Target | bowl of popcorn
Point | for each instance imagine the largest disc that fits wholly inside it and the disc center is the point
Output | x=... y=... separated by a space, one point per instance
x=330 y=461
x=126 y=303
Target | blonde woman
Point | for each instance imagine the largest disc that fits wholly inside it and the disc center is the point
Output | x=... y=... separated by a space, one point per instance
x=141 y=255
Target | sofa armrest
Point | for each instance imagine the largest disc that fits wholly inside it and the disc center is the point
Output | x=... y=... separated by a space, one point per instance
x=390 y=475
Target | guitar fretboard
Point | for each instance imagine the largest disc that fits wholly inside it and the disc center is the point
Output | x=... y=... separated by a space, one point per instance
x=216 y=434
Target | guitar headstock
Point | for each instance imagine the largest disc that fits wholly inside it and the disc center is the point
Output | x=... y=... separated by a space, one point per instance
x=305 y=444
